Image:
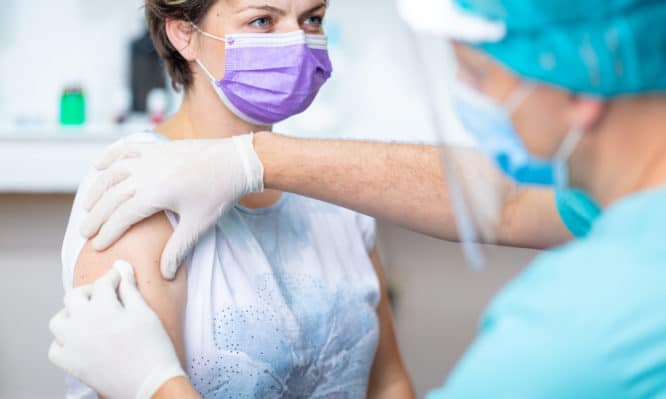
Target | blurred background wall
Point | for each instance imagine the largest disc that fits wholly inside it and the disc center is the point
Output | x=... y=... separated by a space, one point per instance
x=49 y=46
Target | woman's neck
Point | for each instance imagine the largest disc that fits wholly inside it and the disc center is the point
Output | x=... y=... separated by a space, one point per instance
x=630 y=155
x=202 y=116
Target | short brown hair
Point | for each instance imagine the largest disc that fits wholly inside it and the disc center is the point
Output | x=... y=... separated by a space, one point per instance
x=157 y=14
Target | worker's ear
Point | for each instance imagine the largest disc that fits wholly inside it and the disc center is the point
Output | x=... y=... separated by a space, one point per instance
x=586 y=111
x=182 y=38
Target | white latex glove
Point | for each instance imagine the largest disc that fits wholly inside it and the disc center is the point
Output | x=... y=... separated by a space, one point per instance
x=197 y=179
x=111 y=341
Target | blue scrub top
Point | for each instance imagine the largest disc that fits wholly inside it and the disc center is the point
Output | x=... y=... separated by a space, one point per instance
x=584 y=321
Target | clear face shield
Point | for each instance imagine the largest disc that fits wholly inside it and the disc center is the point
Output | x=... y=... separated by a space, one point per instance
x=477 y=187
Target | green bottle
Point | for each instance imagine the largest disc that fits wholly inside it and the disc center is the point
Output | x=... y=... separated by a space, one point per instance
x=73 y=107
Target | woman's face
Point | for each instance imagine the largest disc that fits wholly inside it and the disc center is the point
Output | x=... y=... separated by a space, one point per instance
x=254 y=16
x=544 y=117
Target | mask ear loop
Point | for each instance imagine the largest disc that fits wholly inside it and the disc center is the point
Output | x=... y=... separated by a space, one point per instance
x=206 y=71
x=569 y=143
x=209 y=35
x=201 y=65
x=562 y=155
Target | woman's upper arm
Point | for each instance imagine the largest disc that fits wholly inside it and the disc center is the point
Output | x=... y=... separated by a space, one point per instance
x=142 y=246
x=389 y=378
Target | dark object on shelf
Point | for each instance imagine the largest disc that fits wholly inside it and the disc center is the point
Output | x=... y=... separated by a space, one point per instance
x=146 y=71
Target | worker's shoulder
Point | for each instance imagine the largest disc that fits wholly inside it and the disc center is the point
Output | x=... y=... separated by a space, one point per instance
x=608 y=295
x=591 y=273
x=591 y=282
x=601 y=304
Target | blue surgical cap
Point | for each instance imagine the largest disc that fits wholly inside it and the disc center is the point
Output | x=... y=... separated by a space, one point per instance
x=606 y=48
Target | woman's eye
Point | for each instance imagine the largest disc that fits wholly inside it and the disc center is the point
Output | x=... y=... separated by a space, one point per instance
x=315 y=21
x=262 y=23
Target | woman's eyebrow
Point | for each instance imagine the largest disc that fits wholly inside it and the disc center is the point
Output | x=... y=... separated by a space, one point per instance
x=267 y=8
x=315 y=8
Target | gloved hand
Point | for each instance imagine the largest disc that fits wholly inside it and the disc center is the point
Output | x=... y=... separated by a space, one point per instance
x=198 y=179
x=111 y=341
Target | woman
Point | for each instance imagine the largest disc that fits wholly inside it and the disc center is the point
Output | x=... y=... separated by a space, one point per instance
x=284 y=296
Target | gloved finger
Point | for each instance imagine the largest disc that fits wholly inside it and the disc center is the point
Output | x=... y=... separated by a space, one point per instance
x=103 y=210
x=105 y=289
x=118 y=151
x=78 y=298
x=126 y=216
x=126 y=271
x=58 y=326
x=57 y=357
x=103 y=183
x=128 y=291
x=180 y=244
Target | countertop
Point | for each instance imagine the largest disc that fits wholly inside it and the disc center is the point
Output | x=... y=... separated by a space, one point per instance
x=52 y=160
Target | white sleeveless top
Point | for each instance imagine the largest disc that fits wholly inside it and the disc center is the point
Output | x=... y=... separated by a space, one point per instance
x=281 y=301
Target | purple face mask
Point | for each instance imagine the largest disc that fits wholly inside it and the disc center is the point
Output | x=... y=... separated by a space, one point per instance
x=271 y=77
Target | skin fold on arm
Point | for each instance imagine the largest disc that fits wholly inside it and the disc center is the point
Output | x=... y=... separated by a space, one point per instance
x=142 y=246
x=388 y=378
x=403 y=184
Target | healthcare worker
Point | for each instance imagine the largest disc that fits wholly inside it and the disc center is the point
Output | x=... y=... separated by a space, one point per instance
x=578 y=85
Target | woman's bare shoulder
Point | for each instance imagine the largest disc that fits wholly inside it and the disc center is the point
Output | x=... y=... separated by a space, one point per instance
x=142 y=246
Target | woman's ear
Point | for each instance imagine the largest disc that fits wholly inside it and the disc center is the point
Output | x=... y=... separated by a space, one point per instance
x=587 y=111
x=182 y=38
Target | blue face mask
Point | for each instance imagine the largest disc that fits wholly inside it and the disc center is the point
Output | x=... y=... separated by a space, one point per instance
x=490 y=124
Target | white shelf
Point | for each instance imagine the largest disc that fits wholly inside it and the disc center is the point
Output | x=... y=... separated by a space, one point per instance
x=51 y=160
